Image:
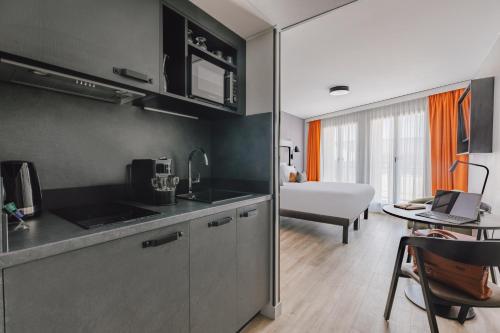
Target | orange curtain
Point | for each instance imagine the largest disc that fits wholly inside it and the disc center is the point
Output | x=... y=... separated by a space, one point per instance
x=443 y=114
x=313 y=150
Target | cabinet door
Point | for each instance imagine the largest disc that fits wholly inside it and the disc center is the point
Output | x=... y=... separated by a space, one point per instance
x=117 y=286
x=93 y=36
x=253 y=230
x=21 y=31
x=213 y=274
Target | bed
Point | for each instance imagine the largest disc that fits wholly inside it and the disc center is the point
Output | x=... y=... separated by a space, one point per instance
x=333 y=203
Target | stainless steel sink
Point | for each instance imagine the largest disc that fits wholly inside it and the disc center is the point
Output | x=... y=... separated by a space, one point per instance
x=213 y=196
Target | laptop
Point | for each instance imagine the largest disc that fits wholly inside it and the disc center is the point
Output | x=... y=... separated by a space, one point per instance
x=454 y=207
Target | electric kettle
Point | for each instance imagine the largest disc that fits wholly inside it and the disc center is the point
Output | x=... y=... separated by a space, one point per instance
x=22 y=186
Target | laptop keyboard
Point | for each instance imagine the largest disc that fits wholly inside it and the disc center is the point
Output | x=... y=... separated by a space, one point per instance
x=445 y=217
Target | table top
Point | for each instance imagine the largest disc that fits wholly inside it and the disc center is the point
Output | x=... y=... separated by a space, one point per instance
x=487 y=221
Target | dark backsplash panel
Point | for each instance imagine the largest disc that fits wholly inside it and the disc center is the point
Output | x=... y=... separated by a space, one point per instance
x=78 y=196
x=81 y=147
x=242 y=153
x=77 y=142
x=68 y=197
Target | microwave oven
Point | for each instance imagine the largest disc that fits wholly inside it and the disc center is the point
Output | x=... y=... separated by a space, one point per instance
x=211 y=83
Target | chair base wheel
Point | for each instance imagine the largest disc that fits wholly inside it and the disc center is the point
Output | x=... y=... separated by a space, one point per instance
x=413 y=292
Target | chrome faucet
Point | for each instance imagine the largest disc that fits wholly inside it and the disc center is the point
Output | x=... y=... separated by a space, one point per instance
x=192 y=181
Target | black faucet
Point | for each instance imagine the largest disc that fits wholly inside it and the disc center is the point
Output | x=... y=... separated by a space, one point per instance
x=192 y=181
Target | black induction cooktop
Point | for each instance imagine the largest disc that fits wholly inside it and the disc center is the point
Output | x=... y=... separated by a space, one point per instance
x=97 y=215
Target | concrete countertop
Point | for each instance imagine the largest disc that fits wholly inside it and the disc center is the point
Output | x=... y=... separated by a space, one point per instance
x=50 y=235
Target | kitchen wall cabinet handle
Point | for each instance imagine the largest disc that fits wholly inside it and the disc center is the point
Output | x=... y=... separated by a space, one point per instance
x=130 y=74
x=167 y=239
x=250 y=213
x=220 y=222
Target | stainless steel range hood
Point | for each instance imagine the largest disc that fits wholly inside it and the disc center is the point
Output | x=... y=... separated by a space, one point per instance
x=33 y=76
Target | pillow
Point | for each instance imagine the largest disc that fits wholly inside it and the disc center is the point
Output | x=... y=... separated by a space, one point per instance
x=301 y=177
x=285 y=171
x=291 y=168
x=283 y=174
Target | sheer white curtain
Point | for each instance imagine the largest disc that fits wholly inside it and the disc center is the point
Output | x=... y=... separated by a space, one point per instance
x=381 y=158
x=340 y=149
x=399 y=152
x=387 y=147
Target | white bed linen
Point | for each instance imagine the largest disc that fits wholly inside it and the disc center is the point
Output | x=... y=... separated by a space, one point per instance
x=345 y=200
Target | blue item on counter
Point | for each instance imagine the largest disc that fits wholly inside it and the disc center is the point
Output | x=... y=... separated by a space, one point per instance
x=12 y=210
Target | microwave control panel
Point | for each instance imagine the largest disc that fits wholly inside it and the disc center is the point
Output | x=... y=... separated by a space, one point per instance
x=231 y=90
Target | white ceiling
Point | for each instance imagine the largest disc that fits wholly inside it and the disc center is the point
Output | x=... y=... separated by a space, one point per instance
x=249 y=17
x=238 y=15
x=284 y=13
x=384 y=49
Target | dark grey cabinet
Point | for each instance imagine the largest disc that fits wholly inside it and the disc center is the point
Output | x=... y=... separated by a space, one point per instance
x=117 y=286
x=21 y=28
x=213 y=274
x=118 y=40
x=206 y=275
x=253 y=238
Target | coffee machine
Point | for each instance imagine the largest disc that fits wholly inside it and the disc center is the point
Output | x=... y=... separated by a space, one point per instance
x=153 y=182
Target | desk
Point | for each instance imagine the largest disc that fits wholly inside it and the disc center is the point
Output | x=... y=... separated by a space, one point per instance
x=487 y=222
x=413 y=290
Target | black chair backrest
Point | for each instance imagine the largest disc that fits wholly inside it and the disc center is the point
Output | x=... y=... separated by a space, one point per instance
x=480 y=253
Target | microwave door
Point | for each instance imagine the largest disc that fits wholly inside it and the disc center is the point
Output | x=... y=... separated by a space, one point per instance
x=207 y=80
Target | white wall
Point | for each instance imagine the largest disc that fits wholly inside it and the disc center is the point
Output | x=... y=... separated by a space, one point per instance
x=292 y=129
x=490 y=67
x=260 y=74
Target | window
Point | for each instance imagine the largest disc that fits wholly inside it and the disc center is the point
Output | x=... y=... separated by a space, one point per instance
x=411 y=156
x=339 y=150
x=382 y=158
x=386 y=147
x=398 y=156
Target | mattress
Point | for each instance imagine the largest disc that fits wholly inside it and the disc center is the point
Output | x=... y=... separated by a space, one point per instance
x=344 y=200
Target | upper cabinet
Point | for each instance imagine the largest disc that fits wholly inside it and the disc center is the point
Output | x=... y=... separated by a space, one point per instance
x=203 y=64
x=117 y=40
x=187 y=61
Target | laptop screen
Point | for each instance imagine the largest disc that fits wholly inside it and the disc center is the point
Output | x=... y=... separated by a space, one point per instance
x=457 y=203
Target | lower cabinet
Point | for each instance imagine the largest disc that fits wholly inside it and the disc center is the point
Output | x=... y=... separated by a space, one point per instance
x=253 y=239
x=213 y=274
x=208 y=275
x=230 y=264
x=134 y=284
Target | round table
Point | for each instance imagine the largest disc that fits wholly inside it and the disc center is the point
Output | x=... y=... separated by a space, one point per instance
x=413 y=291
x=487 y=222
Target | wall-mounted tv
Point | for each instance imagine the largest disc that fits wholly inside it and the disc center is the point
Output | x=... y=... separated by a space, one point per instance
x=464 y=115
x=475 y=117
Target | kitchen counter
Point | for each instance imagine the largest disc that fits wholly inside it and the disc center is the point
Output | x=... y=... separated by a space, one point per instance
x=51 y=235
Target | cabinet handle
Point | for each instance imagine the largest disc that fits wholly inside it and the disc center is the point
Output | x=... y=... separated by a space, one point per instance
x=220 y=222
x=167 y=239
x=128 y=73
x=250 y=213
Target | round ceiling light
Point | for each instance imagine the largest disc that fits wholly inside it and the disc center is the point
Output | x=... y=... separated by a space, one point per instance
x=339 y=90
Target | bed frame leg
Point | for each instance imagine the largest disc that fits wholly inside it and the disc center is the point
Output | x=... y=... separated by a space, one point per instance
x=356 y=224
x=345 y=234
x=365 y=214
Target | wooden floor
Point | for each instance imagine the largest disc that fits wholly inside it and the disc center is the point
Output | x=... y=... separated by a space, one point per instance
x=330 y=287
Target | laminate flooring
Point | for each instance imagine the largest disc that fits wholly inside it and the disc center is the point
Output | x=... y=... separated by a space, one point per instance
x=330 y=287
